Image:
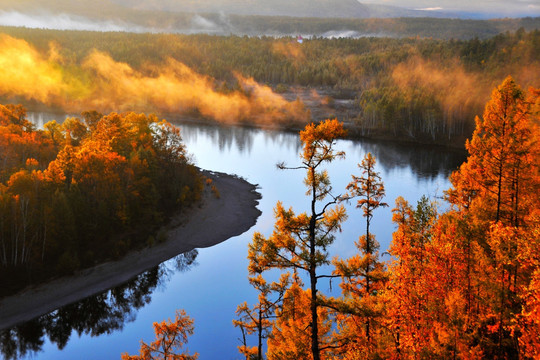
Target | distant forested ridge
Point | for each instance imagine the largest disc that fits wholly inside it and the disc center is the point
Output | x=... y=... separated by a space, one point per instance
x=84 y=191
x=416 y=89
x=260 y=18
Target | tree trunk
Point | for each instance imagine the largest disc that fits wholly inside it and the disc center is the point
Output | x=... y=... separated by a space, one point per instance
x=260 y=330
x=313 y=277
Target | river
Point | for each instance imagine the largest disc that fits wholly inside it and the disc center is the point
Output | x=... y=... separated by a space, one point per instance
x=211 y=287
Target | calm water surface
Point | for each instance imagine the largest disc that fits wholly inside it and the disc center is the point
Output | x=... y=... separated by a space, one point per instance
x=210 y=289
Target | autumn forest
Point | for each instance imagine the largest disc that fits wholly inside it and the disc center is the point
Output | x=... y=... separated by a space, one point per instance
x=119 y=173
x=460 y=281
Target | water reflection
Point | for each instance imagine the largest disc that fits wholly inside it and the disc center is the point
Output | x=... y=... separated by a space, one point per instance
x=41 y=118
x=424 y=161
x=95 y=315
x=238 y=138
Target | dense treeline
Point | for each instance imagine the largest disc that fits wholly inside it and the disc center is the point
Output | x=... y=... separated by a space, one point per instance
x=86 y=190
x=417 y=89
x=424 y=27
x=462 y=284
x=343 y=62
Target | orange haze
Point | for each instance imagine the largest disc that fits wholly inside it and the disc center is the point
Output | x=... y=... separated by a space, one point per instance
x=27 y=73
x=291 y=50
x=455 y=89
x=103 y=84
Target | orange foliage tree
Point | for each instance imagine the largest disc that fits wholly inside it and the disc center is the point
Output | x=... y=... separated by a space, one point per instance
x=409 y=291
x=258 y=319
x=495 y=181
x=290 y=338
x=363 y=275
x=171 y=336
x=300 y=242
x=497 y=191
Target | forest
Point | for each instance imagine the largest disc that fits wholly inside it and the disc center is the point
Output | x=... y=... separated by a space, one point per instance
x=411 y=89
x=84 y=191
x=462 y=283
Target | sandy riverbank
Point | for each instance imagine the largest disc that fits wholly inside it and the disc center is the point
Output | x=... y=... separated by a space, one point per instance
x=212 y=221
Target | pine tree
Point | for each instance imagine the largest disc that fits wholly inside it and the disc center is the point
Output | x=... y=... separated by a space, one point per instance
x=363 y=274
x=300 y=242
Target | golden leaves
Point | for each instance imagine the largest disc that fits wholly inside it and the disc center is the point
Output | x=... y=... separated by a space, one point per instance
x=171 y=337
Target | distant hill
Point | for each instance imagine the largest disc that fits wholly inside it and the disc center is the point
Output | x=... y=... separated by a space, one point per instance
x=293 y=8
x=324 y=18
x=296 y=8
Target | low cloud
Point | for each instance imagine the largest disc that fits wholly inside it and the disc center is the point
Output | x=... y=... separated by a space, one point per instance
x=202 y=22
x=103 y=84
x=431 y=9
x=27 y=73
x=64 y=22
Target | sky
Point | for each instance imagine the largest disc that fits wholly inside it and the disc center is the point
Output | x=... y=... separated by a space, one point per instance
x=510 y=7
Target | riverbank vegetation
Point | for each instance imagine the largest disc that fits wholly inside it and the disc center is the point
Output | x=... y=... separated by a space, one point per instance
x=411 y=89
x=460 y=284
x=87 y=190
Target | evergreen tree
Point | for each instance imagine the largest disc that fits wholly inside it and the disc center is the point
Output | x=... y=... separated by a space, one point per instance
x=300 y=242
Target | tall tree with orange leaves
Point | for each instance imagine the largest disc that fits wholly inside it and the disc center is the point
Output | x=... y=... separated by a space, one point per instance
x=463 y=284
x=364 y=275
x=291 y=336
x=300 y=242
x=496 y=191
x=259 y=318
x=495 y=180
x=409 y=292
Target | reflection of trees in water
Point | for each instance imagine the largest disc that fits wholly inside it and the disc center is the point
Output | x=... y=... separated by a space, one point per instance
x=95 y=315
x=426 y=162
x=241 y=138
x=41 y=118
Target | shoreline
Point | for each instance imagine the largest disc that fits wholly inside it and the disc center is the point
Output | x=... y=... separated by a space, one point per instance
x=207 y=223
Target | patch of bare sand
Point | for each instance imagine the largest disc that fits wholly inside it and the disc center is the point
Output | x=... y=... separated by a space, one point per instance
x=212 y=221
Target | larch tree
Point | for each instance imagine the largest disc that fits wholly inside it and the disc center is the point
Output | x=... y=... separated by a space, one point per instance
x=409 y=288
x=171 y=336
x=363 y=274
x=258 y=319
x=289 y=339
x=499 y=164
x=496 y=190
x=300 y=242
